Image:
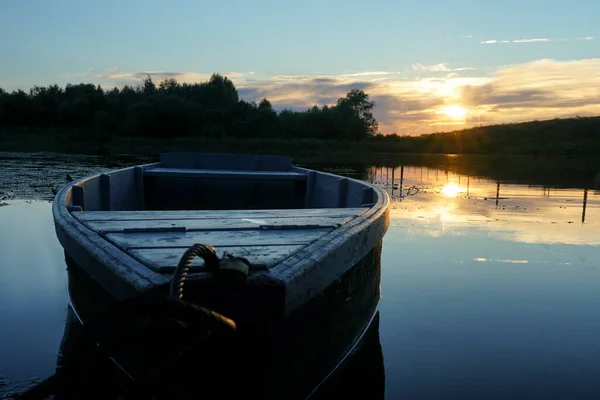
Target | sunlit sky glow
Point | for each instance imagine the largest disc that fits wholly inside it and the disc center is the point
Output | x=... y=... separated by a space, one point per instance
x=429 y=65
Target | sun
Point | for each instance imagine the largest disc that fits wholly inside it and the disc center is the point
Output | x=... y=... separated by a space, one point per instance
x=455 y=111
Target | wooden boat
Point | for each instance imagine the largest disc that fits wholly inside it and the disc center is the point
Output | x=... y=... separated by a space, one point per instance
x=313 y=241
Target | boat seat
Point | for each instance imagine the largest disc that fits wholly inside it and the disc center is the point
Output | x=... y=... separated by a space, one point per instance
x=223 y=174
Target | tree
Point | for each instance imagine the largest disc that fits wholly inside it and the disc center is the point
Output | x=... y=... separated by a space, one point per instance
x=168 y=86
x=357 y=103
x=212 y=108
x=2 y=96
x=148 y=87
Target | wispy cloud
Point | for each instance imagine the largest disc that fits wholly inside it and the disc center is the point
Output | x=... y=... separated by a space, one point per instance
x=120 y=78
x=534 y=40
x=495 y=41
x=531 y=40
x=431 y=68
x=411 y=104
x=367 y=73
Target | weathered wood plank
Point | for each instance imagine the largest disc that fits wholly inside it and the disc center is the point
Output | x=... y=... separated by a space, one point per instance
x=165 y=260
x=222 y=174
x=367 y=196
x=123 y=190
x=105 y=192
x=78 y=196
x=218 y=223
x=137 y=240
x=342 y=192
x=139 y=187
x=310 y=188
x=250 y=162
x=214 y=214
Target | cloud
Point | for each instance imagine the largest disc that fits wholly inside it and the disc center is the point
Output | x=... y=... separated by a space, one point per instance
x=495 y=41
x=409 y=104
x=367 y=73
x=539 y=89
x=531 y=40
x=431 y=68
x=541 y=40
x=302 y=91
x=412 y=105
x=534 y=40
x=121 y=78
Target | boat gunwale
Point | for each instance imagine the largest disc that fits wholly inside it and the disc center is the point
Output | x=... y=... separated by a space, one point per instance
x=339 y=249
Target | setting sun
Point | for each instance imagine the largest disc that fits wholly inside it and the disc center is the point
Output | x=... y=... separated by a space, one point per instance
x=455 y=111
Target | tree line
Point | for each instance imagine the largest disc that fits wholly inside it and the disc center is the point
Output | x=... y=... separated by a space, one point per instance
x=568 y=136
x=172 y=109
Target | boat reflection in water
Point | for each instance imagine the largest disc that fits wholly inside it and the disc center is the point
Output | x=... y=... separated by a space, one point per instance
x=328 y=349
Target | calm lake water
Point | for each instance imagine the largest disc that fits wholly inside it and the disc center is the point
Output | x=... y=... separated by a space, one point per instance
x=490 y=274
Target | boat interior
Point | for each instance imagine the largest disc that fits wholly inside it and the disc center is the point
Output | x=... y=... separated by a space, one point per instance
x=182 y=181
x=258 y=207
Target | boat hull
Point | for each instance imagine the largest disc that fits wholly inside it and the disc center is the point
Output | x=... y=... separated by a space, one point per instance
x=290 y=357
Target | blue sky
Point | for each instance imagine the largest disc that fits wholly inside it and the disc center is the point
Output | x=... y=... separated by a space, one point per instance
x=399 y=51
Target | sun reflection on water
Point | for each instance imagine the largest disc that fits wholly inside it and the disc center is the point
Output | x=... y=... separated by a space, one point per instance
x=451 y=190
x=453 y=204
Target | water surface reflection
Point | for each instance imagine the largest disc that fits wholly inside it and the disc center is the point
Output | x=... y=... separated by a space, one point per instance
x=489 y=289
x=489 y=275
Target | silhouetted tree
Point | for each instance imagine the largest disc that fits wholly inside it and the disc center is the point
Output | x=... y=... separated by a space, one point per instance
x=357 y=103
x=148 y=87
x=211 y=109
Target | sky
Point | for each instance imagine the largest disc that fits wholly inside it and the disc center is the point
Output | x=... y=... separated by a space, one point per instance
x=430 y=66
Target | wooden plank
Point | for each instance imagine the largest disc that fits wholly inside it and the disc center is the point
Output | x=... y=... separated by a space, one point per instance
x=248 y=162
x=310 y=188
x=128 y=241
x=326 y=191
x=342 y=192
x=222 y=174
x=214 y=214
x=218 y=223
x=78 y=196
x=105 y=192
x=139 y=187
x=91 y=194
x=210 y=160
x=123 y=190
x=367 y=196
x=165 y=260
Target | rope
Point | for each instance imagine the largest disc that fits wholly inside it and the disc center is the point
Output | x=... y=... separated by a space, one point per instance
x=211 y=263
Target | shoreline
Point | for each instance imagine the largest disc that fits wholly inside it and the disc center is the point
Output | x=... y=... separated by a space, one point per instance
x=303 y=149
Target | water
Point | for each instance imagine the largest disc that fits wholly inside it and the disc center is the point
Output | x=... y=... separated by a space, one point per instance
x=489 y=279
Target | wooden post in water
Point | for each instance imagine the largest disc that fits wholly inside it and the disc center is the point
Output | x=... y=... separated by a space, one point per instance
x=585 y=196
x=468 y=179
x=497 y=192
x=394 y=170
x=401 y=178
